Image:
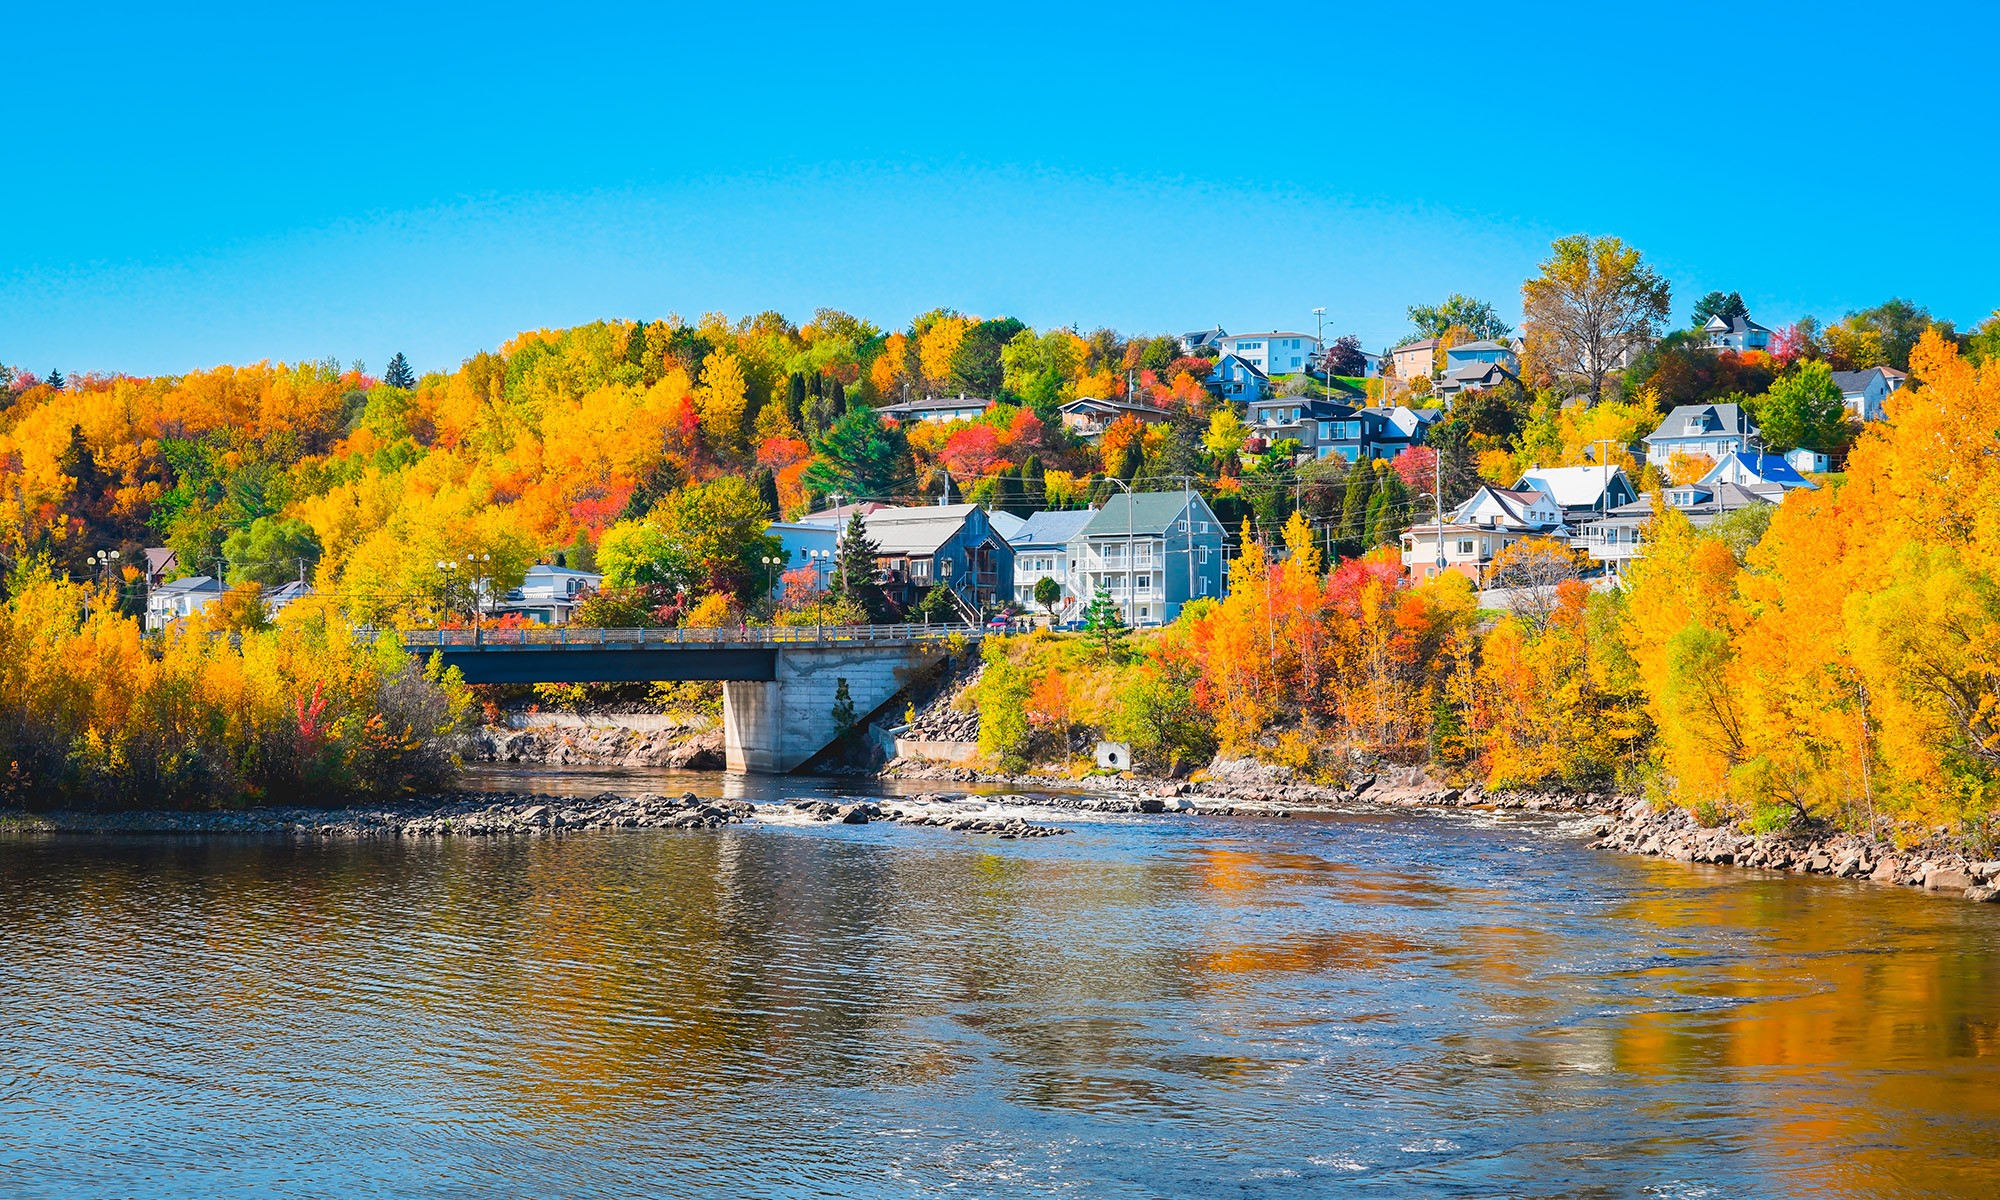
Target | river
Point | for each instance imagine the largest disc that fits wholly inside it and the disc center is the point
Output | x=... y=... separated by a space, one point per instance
x=1369 y=1005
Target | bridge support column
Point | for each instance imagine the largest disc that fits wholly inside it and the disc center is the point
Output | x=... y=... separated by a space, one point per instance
x=775 y=727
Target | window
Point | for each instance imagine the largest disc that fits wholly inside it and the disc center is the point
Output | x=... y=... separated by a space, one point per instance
x=1145 y=583
x=1204 y=556
x=1465 y=546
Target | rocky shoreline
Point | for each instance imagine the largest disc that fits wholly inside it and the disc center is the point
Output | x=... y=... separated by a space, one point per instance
x=509 y=814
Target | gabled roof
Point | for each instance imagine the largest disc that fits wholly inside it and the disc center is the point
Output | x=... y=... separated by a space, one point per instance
x=917 y=530
x=160 y=558
x=1515 y=504
x=1743 y=324
x=1241 y=361
x=934 y=404
x=1150 y=512
x=1716 y=418
x=1113 y=405
x=1311 y=408
x=1051 y=528
x=1572 y=487
x=1768 y=468
x=839 y=515
x=1419 y=344
x=1477 y=347
x=1854 y=383
x=1004 y=523
x=1202 y=337
x=190 y=584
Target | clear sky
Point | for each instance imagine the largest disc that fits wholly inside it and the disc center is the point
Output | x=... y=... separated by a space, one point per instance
x=195 y=185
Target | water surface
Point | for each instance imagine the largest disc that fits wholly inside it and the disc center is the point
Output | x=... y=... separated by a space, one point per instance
x=1414 y=1005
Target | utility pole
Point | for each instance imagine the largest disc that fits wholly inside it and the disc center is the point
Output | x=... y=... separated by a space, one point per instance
x=1319 y=344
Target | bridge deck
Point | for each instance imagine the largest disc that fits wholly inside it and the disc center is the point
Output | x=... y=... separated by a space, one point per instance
x=568 y=654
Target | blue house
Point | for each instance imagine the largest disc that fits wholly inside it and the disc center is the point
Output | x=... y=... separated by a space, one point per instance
x=1237 y=379
x=1758 y=472
x=953 y=544
x=1329 y=429
x=1152 y=552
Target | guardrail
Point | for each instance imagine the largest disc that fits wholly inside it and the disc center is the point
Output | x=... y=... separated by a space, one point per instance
x=755 y=635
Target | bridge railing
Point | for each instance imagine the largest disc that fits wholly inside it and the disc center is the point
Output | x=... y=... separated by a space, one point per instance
x=755 y=635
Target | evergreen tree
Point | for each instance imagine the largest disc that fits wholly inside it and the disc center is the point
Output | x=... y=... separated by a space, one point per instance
x=838 y=395
x=581 y=555
x=767 y=491
x=861 y=456
x=635 y=345
x=1354 y=508
x=399 y=374
x=854 y=576
x=795 y=397
x=56 y=379
x=844 y=716
x=1103 y=623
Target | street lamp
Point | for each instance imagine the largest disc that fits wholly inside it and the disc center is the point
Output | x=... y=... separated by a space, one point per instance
x=771 y=574
x=944 y=570
x=477 y=565
x=819 y=563
x=448 y=570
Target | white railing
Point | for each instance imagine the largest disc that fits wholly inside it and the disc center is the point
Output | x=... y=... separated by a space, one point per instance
x=754 y=635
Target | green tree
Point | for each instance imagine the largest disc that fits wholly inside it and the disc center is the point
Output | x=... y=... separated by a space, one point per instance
x=1719 y=304
x=1002 y=697
x=399 y=374
x=717 y=528
x=1354 y=507
x=1476 y=317
x=634 y=554
x=976 y=369
x=272 y=551
x=844 y=717
x=1103 y=623
x=766 y=484
x=861 y=456
x=1595 y=301
x=1048 y=594
x=1803 y=408
x=854 y=574
x=937 y=604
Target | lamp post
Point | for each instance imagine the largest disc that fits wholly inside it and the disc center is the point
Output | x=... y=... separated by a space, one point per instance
x=448 y=570
x=819 y=562
x=476 y=565
x=771 y=575
x=944 y=569
x=1131 y=611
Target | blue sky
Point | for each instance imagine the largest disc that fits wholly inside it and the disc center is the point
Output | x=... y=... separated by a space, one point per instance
x=197 y=185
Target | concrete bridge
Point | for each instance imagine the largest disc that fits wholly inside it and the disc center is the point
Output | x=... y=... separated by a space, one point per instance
x=778 y=682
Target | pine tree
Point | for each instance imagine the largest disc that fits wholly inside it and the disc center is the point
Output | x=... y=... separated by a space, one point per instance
x=56 y=379
x=795 y=397
x=839 y=397
x=1354 y=508
x=854 y=578
x=635 y=345
x=844 y=716
x=767 y=491
x=399 y=374
x=1103 y=624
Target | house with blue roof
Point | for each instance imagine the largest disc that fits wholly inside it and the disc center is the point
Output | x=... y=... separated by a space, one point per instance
x=1041 y=551
x=1709 y=430
x=1758 y=472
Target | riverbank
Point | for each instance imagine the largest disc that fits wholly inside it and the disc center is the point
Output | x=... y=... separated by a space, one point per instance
x=519 y=814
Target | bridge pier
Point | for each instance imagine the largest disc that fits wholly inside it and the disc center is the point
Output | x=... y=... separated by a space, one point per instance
x=771 y=727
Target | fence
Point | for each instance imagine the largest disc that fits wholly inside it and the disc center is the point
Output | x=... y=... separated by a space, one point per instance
x=754 y=635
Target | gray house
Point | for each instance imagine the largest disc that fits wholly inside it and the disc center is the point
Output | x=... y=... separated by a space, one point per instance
x=1153 y=552
x=1041 y=551
x=1711 y=430
x=1329 y=428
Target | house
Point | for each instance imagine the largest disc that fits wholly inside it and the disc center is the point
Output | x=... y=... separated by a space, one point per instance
x=161 y=563
x=1581 y=491
x=1202 y=342
x=1467 y=354
x=1041 y=551
x=1237 y=378
x=809 y=544
x=1761 y=473
x=1736 y=333
x=180 y=599
x=1004 y=523
x=1411 y=425
x=937 y=408
x=1475 y=376
x=1711 y=430
x=1488 y=522
x=1864 y=392
x=838 y=516
x=286 y=594
x=1275 y=353
x=1414 y=360
x=1152 y=552
x=953 y=544
x=1326 y=429
x=1089 y=416
x=548 y=594
x=1617 y=537
x=1808 y=462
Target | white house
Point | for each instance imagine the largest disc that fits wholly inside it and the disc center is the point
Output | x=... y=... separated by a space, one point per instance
x=1808 y=462
x=1736 y=333
x=1580 y=491
x=1866 y=392
x=937 y=408
x=549 y=594
x=180 y=599
x=1201 y=340
x=1488 y=522
x=1041 y=551
x=1761 y=473
x=1275 y=353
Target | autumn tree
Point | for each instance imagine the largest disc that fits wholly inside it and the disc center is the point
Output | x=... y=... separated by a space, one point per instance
x=720 y=400
x=1595 y=302
x=1531 y=571
x=1475 y=319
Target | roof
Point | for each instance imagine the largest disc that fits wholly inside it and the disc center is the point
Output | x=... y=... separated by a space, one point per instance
x=1131 y=406
x=191 y=583
x=1571 y=487
x=1770 y=468
x=561 y=572
x=1419 y=344
x=1480 y=346
x=1514 y=502
x=917 y=530
x=1716 y=418
x=1202 y=337
x=1051 y=528
x=1853 y=383
x=1743 y=324
x=1247 y=365
x=935 y=404
x=840 y=514
x=159 y=558
x=1004 y=523
x=1146 y=512
x=1274 y=333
